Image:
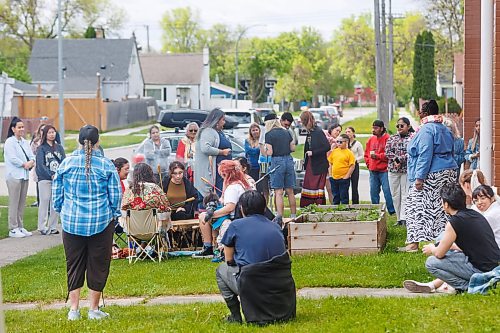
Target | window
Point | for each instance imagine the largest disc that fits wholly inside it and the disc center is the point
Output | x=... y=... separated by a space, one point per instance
x=154 y=93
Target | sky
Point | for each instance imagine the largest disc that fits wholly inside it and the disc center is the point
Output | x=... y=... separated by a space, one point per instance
x=271 y=16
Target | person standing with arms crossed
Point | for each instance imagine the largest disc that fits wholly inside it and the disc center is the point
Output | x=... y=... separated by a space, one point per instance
x=87 y=195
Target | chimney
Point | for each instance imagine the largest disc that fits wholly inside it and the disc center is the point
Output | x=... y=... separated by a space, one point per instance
x=99 y=33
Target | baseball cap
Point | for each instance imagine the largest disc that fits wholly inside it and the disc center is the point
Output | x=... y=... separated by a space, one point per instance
x=378 y=123
x=88 y=132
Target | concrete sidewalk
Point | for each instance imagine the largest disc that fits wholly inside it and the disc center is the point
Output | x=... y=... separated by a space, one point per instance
x=306 y=293
x=14 y=249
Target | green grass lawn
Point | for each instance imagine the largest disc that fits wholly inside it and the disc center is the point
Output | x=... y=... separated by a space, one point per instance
x=107 y=141
x=363 y=125
x=463 y=313
x=183 y=276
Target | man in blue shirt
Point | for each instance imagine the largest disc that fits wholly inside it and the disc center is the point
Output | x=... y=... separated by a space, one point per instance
x=252 y=239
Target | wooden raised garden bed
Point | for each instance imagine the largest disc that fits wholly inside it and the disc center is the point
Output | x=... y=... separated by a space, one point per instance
x=338 y=229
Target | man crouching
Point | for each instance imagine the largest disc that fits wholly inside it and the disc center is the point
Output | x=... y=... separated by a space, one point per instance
x=257 y=266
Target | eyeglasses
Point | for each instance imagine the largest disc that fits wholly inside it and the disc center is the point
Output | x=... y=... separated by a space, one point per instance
x=193 y=130
x=400 y=126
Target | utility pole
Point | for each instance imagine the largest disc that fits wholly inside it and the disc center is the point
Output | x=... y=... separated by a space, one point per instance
x=147 y=36
x=60 y=72
x=384 y=86
x=378 y=60
x=390 y=82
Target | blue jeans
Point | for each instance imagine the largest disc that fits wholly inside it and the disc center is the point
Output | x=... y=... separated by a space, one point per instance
x=454 y=269
x=378 y=179
x=340 y=191
x=284 y=176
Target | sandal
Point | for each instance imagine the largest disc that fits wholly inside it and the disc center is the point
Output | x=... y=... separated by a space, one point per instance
x=407 y=249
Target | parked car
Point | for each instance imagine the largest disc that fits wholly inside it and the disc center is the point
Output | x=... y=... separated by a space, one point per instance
x=244 y=118
x=333 y=111
x=180 y=118
x=263 y=112
x=339 y=108
x=323 y=117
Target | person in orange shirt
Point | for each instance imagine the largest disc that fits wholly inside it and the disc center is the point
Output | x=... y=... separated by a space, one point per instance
x=342 y=164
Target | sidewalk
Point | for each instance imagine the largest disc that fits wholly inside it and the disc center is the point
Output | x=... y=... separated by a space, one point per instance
x=307 y=293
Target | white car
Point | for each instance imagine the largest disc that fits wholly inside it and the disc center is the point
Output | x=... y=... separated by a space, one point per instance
x=245 y=118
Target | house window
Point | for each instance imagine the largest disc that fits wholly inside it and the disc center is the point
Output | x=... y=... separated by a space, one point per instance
x=183 y=97
x=154 y=93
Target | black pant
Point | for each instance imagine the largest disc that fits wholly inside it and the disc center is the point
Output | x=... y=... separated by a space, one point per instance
x=90 y=254
x=354 y=184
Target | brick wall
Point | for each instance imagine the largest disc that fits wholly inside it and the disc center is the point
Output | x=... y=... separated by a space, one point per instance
x=472 y=68
x=496 y=97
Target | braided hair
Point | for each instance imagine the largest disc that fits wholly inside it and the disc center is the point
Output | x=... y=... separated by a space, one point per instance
x=87 y=149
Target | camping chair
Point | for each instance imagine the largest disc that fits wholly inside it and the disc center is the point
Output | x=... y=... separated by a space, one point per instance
x=119 y=236
x=143 y=232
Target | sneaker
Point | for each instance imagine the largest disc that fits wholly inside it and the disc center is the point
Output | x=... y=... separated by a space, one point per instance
x=207 y=252
x=54 y=232
x=43 y=232
x=74 y=315
x=97 y=314
x=446 y=289
x=34 y=204
x=25 y=232
x=419 y=287
x=16 y=233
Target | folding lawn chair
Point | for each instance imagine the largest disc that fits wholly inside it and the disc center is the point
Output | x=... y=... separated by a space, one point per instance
x=119 y=236
x=143 y=235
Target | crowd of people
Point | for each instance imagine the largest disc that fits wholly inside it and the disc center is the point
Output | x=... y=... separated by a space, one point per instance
x=416 y=169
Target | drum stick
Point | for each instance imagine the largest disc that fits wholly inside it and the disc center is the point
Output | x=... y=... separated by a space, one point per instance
x=267 y=174
x=209 y=183
x=182 y=202
x=161 y=180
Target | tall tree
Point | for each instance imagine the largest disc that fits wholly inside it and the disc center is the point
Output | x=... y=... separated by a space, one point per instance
x=417 y=69
x=27 y=20
x=424 y=74
x=181 y=30
x=296 y=85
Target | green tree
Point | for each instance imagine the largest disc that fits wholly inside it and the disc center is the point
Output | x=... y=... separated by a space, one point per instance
x=14 y=57
x=181 y=30
x=428 y=71
x=89 y=33
x=417 y=69
x=296 y=85
x=27 y=20
x=352 y=50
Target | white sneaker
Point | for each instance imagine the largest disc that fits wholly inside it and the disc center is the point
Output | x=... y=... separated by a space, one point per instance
x=97 y=314
x=446 y=289
x=25 y=232
x=419 y=287
x=16 y=233
x=74 y=315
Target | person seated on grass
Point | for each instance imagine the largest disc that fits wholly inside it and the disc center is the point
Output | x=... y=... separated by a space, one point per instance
x=468 y=246
x=257 y=267
x=486 y=202
x=235 y=184
x=145 y=194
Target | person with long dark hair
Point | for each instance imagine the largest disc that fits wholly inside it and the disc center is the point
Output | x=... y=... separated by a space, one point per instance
x=397 y=156
x=357 y=149
x=316 y=163
x=49 y=156
x=252 y=150
x=212 y=147
x=122 y=167
x=86 y=193
x=430 y=167
x=178 y=188
x=19 y=160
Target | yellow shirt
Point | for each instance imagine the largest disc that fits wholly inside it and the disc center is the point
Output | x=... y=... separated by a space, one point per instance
x=340 y=162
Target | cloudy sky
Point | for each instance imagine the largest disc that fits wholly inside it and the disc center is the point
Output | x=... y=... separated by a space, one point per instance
x=273 y=16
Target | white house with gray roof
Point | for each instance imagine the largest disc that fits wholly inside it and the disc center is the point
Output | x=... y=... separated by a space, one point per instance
x=178 y=80
x=111 y=63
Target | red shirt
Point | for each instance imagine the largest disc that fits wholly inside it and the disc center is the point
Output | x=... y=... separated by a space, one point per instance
x=376 y=144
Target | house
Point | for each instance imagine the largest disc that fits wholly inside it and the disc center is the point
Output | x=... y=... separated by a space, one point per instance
x=89 y=65
x=482 y=84
x=178 y=80
x=458 y=78
x=444 y=85
x=219 y=90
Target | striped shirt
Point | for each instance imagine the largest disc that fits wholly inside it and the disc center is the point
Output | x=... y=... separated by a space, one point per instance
x=86 y=208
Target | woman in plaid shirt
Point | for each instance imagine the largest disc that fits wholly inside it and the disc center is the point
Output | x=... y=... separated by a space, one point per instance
x=86 y=192
x=395 y=151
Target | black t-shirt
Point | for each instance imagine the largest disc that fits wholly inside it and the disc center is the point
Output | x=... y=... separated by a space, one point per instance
x=476 y=239
x=279 y=139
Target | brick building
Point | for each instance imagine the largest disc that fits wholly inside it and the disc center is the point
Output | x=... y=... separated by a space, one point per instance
x=490 y=117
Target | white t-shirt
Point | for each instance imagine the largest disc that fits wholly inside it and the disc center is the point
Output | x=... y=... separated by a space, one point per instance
x=232 y=195
x=492 y=214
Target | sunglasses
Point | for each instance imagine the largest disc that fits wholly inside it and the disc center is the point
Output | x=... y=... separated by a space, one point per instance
x=340 y=141
x=193 y=131
x=400 y=126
